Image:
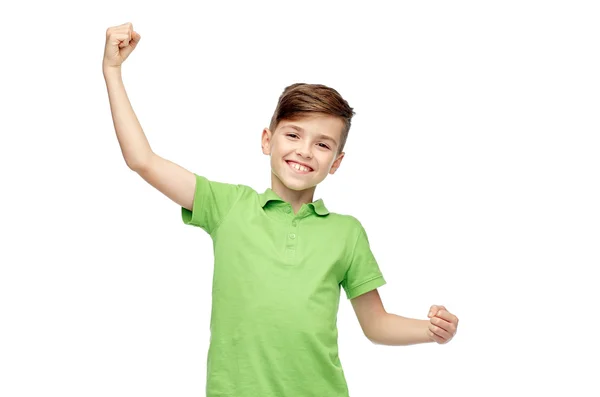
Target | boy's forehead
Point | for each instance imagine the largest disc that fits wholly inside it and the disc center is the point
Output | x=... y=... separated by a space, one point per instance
x=317 y=124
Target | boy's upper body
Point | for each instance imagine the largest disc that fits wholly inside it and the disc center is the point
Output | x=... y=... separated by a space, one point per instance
x=281 y=258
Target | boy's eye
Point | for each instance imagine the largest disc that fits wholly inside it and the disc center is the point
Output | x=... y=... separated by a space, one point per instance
x=291 y=135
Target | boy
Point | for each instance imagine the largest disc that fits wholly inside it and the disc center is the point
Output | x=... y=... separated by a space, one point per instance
x=280 y=257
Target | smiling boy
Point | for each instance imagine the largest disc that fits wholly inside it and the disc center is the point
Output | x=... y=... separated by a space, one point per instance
x=280 y=257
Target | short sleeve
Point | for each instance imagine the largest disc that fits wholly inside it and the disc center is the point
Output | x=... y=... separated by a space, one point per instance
x=212 y=202
x=363 y=274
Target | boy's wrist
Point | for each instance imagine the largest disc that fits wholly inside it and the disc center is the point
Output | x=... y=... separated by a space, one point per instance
x=111 y=71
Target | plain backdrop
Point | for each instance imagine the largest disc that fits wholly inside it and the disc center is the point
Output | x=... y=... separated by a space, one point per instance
x=473 y=163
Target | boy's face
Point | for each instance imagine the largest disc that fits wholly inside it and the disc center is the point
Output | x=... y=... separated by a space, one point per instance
x=304 y=151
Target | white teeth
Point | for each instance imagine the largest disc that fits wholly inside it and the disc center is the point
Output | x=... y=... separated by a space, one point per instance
x=299 y=167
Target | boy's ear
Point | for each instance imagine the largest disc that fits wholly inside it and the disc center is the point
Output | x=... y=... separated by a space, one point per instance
x=336 y=164
x=266 y=141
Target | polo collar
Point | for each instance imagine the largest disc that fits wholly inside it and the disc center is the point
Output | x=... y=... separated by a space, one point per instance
x=269 y=195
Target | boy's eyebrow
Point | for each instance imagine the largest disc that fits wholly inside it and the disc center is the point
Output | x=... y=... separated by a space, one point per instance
x=320 y=136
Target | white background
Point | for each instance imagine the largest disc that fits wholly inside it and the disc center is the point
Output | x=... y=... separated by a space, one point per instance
x=473 y=163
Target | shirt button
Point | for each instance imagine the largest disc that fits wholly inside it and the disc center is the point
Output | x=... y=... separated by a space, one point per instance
x=294 y=223
x=292 y=236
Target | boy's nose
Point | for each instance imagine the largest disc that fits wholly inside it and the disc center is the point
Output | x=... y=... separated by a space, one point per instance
x=304 y=152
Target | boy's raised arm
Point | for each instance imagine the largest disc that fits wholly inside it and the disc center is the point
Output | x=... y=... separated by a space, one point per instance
x=174 y=181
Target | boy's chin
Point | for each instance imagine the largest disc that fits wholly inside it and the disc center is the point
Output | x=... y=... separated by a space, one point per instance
x=298 y=187
x=292 y=185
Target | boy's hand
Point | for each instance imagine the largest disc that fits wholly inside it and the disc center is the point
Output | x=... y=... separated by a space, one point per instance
x=120 y=42
x=442 y=324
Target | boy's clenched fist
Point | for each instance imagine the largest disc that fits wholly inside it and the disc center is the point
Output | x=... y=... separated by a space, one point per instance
x=120 y=42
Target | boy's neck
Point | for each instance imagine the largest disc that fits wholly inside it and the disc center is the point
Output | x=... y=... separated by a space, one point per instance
x=295 y=197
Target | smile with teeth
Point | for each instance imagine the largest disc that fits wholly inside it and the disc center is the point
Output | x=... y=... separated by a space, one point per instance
x=299 y=167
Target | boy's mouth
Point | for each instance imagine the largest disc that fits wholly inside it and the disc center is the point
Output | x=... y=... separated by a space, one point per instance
x=299 y=168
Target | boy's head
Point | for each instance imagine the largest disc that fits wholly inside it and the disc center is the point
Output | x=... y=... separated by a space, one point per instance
x=310 y=126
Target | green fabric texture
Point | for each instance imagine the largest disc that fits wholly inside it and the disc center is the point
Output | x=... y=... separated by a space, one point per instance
x=276 y=289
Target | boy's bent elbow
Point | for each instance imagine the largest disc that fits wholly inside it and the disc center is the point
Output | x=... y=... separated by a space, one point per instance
x=372 y=339
x=134 y=165
x=139 y=164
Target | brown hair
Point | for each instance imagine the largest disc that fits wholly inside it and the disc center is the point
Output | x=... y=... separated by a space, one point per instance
x=300 y=99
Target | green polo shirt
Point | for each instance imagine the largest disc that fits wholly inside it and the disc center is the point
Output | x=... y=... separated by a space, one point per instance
x=276 y=290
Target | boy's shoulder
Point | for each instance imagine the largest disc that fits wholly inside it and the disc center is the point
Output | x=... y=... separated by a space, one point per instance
x=350 y=220
x=353 y=227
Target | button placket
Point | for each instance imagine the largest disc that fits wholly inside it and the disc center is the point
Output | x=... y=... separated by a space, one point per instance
x=292 y=238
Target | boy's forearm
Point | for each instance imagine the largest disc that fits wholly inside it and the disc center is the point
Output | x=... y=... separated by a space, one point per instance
x=134 y=144
x=394 y=330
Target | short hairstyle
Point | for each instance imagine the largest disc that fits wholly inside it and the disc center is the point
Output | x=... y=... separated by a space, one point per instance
x=301 y=99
